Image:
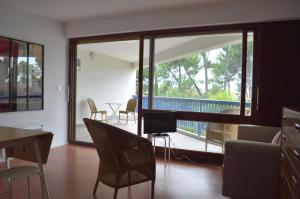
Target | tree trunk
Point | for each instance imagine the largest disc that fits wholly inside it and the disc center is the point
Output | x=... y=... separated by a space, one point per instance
x=206 y=65
x=179 y=78
x=155 y=85
x=194 y=83
x=226 y=72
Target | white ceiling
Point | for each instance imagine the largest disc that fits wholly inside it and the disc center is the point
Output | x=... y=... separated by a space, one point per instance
x=129 y=50
x=69 y=10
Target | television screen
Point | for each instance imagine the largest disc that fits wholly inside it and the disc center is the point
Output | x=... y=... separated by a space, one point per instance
x=160 y=122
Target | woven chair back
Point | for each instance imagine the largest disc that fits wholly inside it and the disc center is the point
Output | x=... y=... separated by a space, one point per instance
x=131 y=105
x=92 y=105
x=99 y=133
x=213 y=126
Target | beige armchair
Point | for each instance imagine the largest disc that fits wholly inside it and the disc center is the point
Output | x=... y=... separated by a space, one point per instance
x=251 y=164
x=125 y=158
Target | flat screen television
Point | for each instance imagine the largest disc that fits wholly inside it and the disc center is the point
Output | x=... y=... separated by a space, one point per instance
x=160 y=122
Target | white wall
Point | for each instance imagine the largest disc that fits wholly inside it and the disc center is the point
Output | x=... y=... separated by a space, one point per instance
x=19 y=24
x=234 y=11
x=103 y=79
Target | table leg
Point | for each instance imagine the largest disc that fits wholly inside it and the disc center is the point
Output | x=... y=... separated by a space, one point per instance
x=165 y=156
x=154 y=144
x=115 y=110
x=7 y=164
x=169 y=150
x=40 y=165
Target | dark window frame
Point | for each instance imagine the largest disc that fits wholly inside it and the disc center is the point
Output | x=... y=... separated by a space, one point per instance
x=141 y=36
x=12 y=98
x=202 y=116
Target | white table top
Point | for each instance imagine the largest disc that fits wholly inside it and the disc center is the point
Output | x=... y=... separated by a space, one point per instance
x=114 y=103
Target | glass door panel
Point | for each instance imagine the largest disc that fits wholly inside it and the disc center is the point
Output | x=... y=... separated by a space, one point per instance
x=107 y=75
x=198 y=73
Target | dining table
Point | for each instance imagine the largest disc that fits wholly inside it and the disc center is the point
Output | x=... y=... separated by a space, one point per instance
x=16 y=138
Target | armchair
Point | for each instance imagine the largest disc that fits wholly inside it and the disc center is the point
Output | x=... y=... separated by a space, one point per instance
x=125 y=159
x=252 y=164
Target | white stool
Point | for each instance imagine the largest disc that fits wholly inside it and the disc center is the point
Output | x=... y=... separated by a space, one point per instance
x=19 y=172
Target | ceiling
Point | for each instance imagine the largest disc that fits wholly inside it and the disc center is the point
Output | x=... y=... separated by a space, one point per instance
x=69 y=10
x=129 y=50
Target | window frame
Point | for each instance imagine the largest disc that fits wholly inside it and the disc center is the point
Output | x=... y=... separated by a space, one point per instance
x=13 y=77
x=201 y=116
x=142 y=36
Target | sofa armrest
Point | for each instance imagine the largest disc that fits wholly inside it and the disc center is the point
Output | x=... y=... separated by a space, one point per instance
x=257 y=133
x=251 y=169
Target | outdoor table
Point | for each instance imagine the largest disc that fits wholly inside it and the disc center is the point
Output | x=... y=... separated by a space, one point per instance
x=114 y=106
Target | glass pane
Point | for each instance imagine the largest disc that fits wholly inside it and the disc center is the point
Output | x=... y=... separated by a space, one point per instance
x=146 y=74
x=35 y=77
x=198 y=73
x=4 y=74
x=106 y=73
x=249 y=78
x=19 y=60
x=200 y=136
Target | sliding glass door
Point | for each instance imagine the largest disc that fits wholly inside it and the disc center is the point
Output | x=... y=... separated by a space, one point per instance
x=205 y=76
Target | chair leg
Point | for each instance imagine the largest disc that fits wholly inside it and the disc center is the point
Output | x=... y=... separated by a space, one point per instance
x=115 y=193
x=29 y=187
x=91 y=115
x=205 y=145
x=119 y=118
x=126 y=118
x=10 y=190
x=152 y=189
x=96 y=187
x=42 y=186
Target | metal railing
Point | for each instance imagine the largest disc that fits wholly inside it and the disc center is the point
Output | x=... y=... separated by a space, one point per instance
x=191 y=105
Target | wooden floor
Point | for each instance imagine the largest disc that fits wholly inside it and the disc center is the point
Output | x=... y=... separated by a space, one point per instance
x=71 y=173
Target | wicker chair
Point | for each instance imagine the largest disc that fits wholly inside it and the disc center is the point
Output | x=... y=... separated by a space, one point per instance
x=218 y=133
x=130 y=108
x=125 y=159
x=94 y=110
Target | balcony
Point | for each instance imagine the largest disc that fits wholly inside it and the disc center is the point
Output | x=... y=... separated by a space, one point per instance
x=190 y=135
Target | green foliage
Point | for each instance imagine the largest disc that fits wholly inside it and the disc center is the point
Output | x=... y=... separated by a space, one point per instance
x=222 y=78
x=228 y=66
x=222 y=95
x=179 y=73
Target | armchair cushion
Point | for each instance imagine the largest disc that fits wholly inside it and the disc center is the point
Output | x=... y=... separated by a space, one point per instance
x=257 y=133
x=251 y=170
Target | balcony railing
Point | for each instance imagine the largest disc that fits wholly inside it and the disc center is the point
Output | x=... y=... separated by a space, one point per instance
x=191 y=105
